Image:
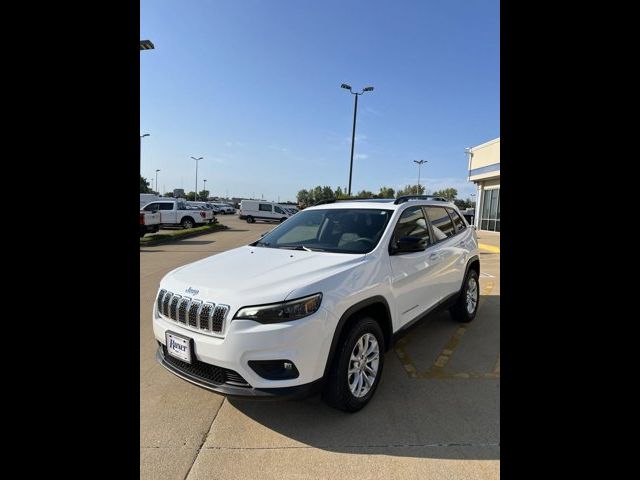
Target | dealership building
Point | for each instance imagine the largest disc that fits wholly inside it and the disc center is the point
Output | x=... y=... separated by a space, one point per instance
x=484 y=171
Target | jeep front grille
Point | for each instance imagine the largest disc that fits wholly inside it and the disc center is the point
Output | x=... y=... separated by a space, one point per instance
x=205 y=317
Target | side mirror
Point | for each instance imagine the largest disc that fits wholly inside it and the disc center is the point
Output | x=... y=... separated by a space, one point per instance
x=408 y=244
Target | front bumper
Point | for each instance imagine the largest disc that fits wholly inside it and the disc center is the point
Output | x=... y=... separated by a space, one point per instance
x=305 y=342
x=295 y=392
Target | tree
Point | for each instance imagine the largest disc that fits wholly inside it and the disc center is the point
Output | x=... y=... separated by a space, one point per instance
x=169 y=194
x=448 y=193
x=303 y=198
x=191 y=196
x=386 y=192
x=339 y=193
x=203 y=195
x=365 y=194
x=144 y=185
x=411 y=190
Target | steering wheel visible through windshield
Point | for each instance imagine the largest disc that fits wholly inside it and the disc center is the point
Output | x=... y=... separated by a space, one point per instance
x=339 y=230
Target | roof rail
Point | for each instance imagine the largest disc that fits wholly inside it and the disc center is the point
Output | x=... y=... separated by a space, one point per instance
x=406 y=198
x=323 y=202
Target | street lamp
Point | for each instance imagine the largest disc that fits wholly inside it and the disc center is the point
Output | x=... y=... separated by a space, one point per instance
x=353 y=133
x=140 y=152
x=197 y=159
x=419 y=162
x=157 y=188
x=146 y=45
x=205 y=187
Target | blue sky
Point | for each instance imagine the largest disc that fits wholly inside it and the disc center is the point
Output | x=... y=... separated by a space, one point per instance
x=253 y=86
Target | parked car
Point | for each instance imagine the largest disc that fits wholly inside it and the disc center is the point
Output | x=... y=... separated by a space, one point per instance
x=209 y=215
x=208 y=205
x=149 y=222
x=252 y=210
x=225 y=208
x=177 y=212
x=316 y=302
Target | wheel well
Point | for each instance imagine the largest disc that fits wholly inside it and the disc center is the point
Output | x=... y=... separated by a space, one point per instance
x=475 y=265
x=379 y=312
x=187 y=218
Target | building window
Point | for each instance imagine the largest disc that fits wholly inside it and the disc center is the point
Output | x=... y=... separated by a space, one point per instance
x=490 y=214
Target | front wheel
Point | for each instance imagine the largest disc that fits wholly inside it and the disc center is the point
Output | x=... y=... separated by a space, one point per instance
x=466 y=307
x=357 y=367
x=250 y=220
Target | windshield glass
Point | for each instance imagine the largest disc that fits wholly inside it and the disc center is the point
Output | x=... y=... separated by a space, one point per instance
x=343 y=230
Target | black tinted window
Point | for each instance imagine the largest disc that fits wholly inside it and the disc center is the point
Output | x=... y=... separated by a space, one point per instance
x=166 y=206
x=265 y=207
x=278 y=209
x=441 y=222
x=152 y=207
x=457 y=221
x=412 y=224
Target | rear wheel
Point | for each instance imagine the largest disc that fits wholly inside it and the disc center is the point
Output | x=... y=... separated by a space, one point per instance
x=187 y=223
x=357 y=367
x=466 y=307
x=250 y=220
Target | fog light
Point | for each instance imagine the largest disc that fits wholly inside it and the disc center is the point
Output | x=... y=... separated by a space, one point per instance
x=275 y=369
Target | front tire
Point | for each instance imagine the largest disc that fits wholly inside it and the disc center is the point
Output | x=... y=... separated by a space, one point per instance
x=357 y=367
x=251 y=220
x=466 y=307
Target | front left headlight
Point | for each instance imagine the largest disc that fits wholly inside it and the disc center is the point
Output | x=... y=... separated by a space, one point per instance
x=281 y=312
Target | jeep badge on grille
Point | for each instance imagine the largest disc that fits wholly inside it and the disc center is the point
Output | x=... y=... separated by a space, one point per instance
x=192 y=291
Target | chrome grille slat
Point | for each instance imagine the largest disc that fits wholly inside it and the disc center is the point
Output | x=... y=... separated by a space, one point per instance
x=194 y=312
x=217 y=320
x=173 y=307
x=198 y=315
x=183 y=308
x=165 y=303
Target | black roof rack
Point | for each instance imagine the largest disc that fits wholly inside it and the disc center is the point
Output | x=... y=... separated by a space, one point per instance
x=406 y=198
x=352 y=199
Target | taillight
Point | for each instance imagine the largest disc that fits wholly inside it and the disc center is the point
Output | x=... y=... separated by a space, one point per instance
x=142 y=219
x=202 y=214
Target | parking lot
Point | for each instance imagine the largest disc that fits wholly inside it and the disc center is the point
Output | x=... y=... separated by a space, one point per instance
x=435 y=414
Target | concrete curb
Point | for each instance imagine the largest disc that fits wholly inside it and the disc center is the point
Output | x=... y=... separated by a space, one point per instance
x=180 y=237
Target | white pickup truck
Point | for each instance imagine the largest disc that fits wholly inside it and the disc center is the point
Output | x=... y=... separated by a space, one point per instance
x=175 y=213
x=149 y=222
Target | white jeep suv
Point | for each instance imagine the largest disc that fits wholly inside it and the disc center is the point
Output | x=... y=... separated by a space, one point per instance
x=316 y=302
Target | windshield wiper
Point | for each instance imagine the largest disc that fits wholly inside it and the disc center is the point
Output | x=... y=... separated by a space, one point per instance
x=302 y=247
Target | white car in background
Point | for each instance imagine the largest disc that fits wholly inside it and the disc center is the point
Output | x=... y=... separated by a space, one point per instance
x=317 y=301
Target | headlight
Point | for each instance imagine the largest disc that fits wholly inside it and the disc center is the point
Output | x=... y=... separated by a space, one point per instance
x=281 y=312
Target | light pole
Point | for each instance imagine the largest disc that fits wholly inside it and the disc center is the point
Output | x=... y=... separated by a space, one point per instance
x=140 y=151
x=419 y=162
x=205 y=187
x=157 y=188
x=197 y=159
x=353 y=133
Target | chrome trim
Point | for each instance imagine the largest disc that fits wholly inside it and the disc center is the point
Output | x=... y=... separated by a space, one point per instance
x=170 y=301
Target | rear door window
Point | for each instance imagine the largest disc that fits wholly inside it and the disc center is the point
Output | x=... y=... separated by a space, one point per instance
x=458 y=223
x=166 y=206
x=441 y=222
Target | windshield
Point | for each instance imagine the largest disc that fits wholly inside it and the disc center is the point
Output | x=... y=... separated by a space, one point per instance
x=343 y=230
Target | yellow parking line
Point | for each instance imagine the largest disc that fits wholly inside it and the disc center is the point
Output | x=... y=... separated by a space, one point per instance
x=489 y=248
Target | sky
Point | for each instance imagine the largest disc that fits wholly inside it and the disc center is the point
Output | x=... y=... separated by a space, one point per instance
x=253 y=86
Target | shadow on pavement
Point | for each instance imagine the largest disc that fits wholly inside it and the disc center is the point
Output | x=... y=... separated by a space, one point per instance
x=448 y=418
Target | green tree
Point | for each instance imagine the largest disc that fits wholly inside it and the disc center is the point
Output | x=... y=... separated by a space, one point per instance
x=386 y=192
x=191 y=196
x=448 y=193
x=411 y=190
x=339 y=193
x=365 y=194
x=144 y=185
x=169 y=194
x=303 y=198
x=203 y=195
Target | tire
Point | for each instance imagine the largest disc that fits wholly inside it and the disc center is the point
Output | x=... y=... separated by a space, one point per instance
x=470 y=290
x=251 y=220
x=337 y=391
x=187 y=222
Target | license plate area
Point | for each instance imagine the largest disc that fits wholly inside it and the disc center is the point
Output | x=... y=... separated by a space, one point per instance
x=179 y=346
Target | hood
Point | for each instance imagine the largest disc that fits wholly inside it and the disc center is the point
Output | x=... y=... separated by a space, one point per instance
x=255 y=275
